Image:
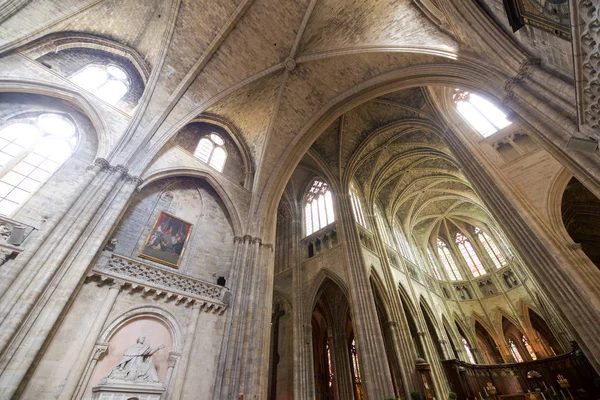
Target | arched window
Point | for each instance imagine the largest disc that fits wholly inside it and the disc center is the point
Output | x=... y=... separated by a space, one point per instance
x=109 y=82
x=382 y=226
x=30 y=152
x=357 y=207
x=355 y=364
x=448 y=261
x=490 y=247
x=483 y=116
x=211 y=150
x=514 y=351
x=433 y=264
x=318 y=211
x=330 y=367
x=402 y=242
x=468 y=253
x=529 y=348
x=468 y=351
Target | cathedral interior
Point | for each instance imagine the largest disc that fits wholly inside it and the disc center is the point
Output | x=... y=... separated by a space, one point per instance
x=299 y=199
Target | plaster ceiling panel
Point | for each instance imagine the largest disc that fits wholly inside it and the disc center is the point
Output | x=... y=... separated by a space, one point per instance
x=250 y=109
x=337 y=24
x=437 y=205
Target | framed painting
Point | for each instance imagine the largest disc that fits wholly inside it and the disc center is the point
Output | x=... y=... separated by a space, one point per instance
x=167 y=240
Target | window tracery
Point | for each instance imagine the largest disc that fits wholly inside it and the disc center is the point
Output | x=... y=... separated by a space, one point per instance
x=402 y=242
x=108 y=82
x=30 y=153
x=468 y=253
x=357 y=207
x=490 y=247
x=448 y=261
x=468 y=351
x=515 y=351
x=318 y=210
x=433 y=264
x=211 y=150
x=480 y=113
x=528 y=348
x=382 y=226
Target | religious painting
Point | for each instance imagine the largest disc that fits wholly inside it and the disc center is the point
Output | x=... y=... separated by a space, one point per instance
x=549 y=15
x=167 y=240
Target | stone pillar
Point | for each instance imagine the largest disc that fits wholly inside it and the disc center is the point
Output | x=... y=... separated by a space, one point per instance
x=341 y=354
x=244 y=359
x=575 y=299
x=172 y=363
x=99 y=349
x=75 y=374
x=184 y=362
x=42 y=303
x=376 y=375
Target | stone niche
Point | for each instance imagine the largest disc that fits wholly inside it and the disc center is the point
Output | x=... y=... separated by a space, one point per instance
x=156 y=333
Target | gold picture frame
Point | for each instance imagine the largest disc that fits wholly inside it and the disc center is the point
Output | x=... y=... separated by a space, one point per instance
x=167 y=240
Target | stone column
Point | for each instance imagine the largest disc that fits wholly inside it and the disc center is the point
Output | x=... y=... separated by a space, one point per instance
x=244 y=359
x=184 y=362
x=369 y=339
x=341 y=355
x=99 y=349
x=575 y=299
x=54 y=285
x=172 y=363
x=75 y=374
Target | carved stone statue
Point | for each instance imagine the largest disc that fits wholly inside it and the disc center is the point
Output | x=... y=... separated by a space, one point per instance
x=136 y=366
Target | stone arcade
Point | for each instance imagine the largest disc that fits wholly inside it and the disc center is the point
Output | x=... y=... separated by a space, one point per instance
x=299 y=199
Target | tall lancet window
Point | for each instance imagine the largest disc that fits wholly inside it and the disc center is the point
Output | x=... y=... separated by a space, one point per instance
x=108 y=82
x=211 y=150
x=514 y=351
x=468 y=253
x=355 y=364
x=381 y=224
x=433 y=263
x=481 y=114
x=448 y=261
x=318 y=209
x=330 y=367
x=30 y=153
x=468 y=351
x=490 y=247
x=357 y=207
x=529 y=348
x=402 y=242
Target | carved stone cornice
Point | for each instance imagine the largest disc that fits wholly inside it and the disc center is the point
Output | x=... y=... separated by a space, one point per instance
x=150 y=280
x=524 y=72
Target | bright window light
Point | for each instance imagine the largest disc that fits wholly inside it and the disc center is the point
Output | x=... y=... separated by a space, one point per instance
x=481 y=114
x=108 y=82
x=318 y=210
x=211 y=150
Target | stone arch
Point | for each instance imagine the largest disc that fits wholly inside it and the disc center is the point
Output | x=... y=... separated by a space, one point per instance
x=318 y=285
x=76 y=99
x=214 y=183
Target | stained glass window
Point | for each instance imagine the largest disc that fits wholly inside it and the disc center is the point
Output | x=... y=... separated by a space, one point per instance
x=448 y=261
x=211 y=150
x=481 y=114
x=490 y=247
x=318 y=210
x=514 y=351
x=328 y=350
x=109 y=82
x=468 y=351
x=529 y=348
x=402 y=242
x=433 y=264
x=30 y=153
x=355 y=364
x=468 y=253
x=357 y=207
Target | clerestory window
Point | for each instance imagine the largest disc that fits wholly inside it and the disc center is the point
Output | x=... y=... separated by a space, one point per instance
x=468 y=253
x=433 y=263
x=30 y=153
x=108 y=82
x=490 y=247
x=318 y=209
x=382 y=226
x=357 y=207
x=402 y=242
x=448 y=261
x=481 y=114
x=211 y=150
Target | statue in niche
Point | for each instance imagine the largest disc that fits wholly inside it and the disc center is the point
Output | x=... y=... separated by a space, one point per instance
x=136 y=366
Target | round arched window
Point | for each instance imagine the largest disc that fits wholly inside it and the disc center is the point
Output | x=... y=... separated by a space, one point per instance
x=211 y=150
x=108 y=82
x=31 y=150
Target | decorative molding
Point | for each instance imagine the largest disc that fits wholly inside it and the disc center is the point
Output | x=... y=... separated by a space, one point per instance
x=153 y=280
